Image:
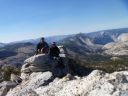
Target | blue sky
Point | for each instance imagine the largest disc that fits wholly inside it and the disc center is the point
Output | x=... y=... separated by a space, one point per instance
x=26 y=19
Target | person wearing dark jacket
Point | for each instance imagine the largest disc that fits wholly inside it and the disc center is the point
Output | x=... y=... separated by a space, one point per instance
x=54 y=54
x=42 y=47
x=54 y=50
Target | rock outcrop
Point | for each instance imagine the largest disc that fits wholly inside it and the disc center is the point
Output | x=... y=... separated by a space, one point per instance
x=37 y=63
x=5 y=87
x=1 y=77
x=42 y=76
x=97 y=83
x=43 y=63
x=27 y=87
x=123 y=37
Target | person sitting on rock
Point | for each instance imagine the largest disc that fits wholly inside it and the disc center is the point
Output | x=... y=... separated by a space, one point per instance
x=54 y=50
x=54 y=54
x=42 y=47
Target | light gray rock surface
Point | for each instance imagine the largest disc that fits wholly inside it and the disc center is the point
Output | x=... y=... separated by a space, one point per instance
x=5 y=87
x=27 y=87
x=15 y=78
x=1 y=77
x=37 y=63
x=43 y=63
x=98 y=83
x=123 y=37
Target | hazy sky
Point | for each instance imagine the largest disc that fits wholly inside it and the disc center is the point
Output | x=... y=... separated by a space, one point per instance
x=25 y=19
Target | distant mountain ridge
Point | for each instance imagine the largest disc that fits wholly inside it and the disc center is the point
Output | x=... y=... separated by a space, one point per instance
x=80 y=43
x=106 y=36
x=99 y=37
x=2 y=44
x=87 y=46
x=49 y=39
x=92 y=43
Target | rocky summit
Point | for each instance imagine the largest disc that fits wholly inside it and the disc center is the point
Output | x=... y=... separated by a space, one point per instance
x=42 y=76
x=97 y=83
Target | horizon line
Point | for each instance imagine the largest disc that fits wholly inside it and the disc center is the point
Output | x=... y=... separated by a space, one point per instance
x=63 y=35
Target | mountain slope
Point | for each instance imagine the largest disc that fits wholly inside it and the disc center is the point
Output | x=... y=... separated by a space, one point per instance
x=82 y=48
x=81 y=44
x=2 y=44
x=106 y=36
x=15 y=54
x=119 y=48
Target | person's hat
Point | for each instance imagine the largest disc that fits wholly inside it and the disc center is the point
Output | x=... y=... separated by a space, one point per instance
x=42 y=38
x=54 y=43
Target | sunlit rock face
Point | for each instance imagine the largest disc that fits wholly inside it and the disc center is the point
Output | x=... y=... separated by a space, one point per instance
x=98 y=83
x=109 y=45
x=6 y=86
x=123 y=37
x=37 y=63
x=27 y=87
